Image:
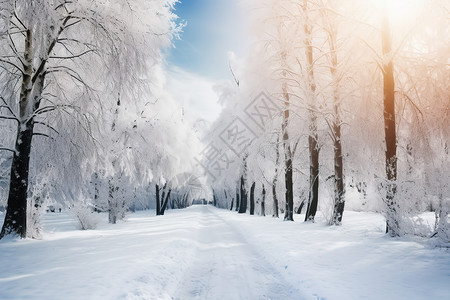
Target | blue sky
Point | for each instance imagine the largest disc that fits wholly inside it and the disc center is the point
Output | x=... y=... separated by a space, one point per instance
x=214 y=27
x=199 y=61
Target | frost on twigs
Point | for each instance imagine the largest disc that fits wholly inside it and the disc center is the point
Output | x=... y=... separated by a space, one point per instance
x=86 y=218
x=441 y=233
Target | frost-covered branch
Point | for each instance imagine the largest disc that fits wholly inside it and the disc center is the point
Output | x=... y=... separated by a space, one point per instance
x=73 y=56
x=43 y=134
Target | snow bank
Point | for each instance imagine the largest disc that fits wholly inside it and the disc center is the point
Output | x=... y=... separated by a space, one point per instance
x=354 y=261
x=175 y=256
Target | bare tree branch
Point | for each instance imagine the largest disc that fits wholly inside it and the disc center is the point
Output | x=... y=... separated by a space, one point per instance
x=43 y=134
x=9 y=118
x=50 y=49
x=9 y=108
x=7 y=149
x=73 y=56
x=234 y=76
x=46 y=125
x=12 y=64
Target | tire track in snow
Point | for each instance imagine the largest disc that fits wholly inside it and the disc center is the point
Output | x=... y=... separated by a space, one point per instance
x=227 y=267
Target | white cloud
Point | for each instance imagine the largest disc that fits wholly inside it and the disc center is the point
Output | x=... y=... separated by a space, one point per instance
x=195 y=94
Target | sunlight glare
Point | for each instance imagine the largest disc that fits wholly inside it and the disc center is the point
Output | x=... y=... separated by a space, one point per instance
x=403 y=11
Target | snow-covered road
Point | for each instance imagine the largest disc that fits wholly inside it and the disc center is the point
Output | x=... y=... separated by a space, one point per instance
x=206 y=253
x=227 y=267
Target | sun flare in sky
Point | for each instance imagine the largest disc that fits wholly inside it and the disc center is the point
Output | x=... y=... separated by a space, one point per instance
x=401 y=12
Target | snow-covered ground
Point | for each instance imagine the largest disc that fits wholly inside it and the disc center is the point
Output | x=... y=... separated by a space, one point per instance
x=206 y=253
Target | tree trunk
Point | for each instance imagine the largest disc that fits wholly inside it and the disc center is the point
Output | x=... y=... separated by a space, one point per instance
x=214 y=198
x=96 y=191
x=392 y=226
x=252 y=199
x=243 y=191
x=275 y=180
x=16 y=214
x=263 y=201
x=121 y=199
x=163 y=195
x=34 y=229
x=313 y=179
x=226 y=200
x=237 y=198
x=164 y=205
x=300 y=207
x=275 y=200
x=112 y=203
x=289 y=212
x=313 y=136
x=339 y=191
x=158 y=203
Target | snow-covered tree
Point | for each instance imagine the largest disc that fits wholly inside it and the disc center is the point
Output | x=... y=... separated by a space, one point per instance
x=67 y=58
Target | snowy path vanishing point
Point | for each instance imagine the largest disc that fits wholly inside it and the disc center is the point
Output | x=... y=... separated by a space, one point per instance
x=227 y=267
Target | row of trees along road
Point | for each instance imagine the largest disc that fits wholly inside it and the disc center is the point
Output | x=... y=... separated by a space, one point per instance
x=362 y=94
